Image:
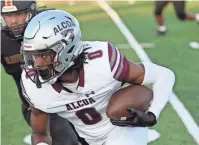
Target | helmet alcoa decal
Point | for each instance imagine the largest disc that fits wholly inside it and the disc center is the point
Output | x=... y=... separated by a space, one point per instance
x=63 y=25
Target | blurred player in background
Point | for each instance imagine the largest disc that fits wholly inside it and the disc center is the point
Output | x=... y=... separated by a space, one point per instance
x=181 y=13
x=76 y=79
x=15 y=15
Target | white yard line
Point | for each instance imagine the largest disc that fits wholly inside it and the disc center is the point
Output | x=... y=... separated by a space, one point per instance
x=127 y=46
x=183 y=113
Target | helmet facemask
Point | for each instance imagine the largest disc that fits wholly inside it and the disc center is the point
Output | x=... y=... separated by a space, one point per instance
x=39 y=74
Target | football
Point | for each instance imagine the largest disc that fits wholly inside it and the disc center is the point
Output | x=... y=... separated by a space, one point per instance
x=132 y=96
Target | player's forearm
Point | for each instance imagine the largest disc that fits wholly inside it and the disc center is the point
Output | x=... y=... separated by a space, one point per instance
x=162 y=80
x=39 y=124
x=38 y=139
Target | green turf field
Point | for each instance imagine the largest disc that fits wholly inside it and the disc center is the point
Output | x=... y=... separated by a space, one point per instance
x=172 y=50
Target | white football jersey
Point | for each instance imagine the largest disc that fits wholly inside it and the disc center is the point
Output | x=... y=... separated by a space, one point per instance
x=85 y=108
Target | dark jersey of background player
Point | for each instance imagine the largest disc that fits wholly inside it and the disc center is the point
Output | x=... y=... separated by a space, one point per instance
x=61 y=130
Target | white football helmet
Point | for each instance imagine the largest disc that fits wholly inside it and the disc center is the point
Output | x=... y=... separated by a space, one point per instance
x=52 y=30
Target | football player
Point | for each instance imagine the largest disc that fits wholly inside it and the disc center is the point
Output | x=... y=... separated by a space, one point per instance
x=179 y=7
x=74 y=78
x=15 y=15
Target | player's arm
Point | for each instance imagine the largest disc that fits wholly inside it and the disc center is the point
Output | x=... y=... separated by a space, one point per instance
x=39 y=124
x=161 y=78
x=146 y=73
x=38 y=120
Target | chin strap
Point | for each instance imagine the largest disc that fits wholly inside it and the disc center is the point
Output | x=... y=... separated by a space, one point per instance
x=37 y=81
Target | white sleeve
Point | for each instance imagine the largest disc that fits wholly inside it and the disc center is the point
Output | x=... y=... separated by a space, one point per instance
x=162 y=80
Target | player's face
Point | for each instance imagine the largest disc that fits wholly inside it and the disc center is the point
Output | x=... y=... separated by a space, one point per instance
x=44 y=63
x=15 y=21
x=42 y=60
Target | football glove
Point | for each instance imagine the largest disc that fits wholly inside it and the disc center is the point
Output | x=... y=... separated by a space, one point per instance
x=137 y=119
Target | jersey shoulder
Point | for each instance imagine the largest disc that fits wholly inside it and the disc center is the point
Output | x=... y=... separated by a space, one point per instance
x=45 y=98
x=107 y=58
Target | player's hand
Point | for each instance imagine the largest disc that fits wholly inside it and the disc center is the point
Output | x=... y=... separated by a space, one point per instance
x=142 y=118
x=137 y=119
